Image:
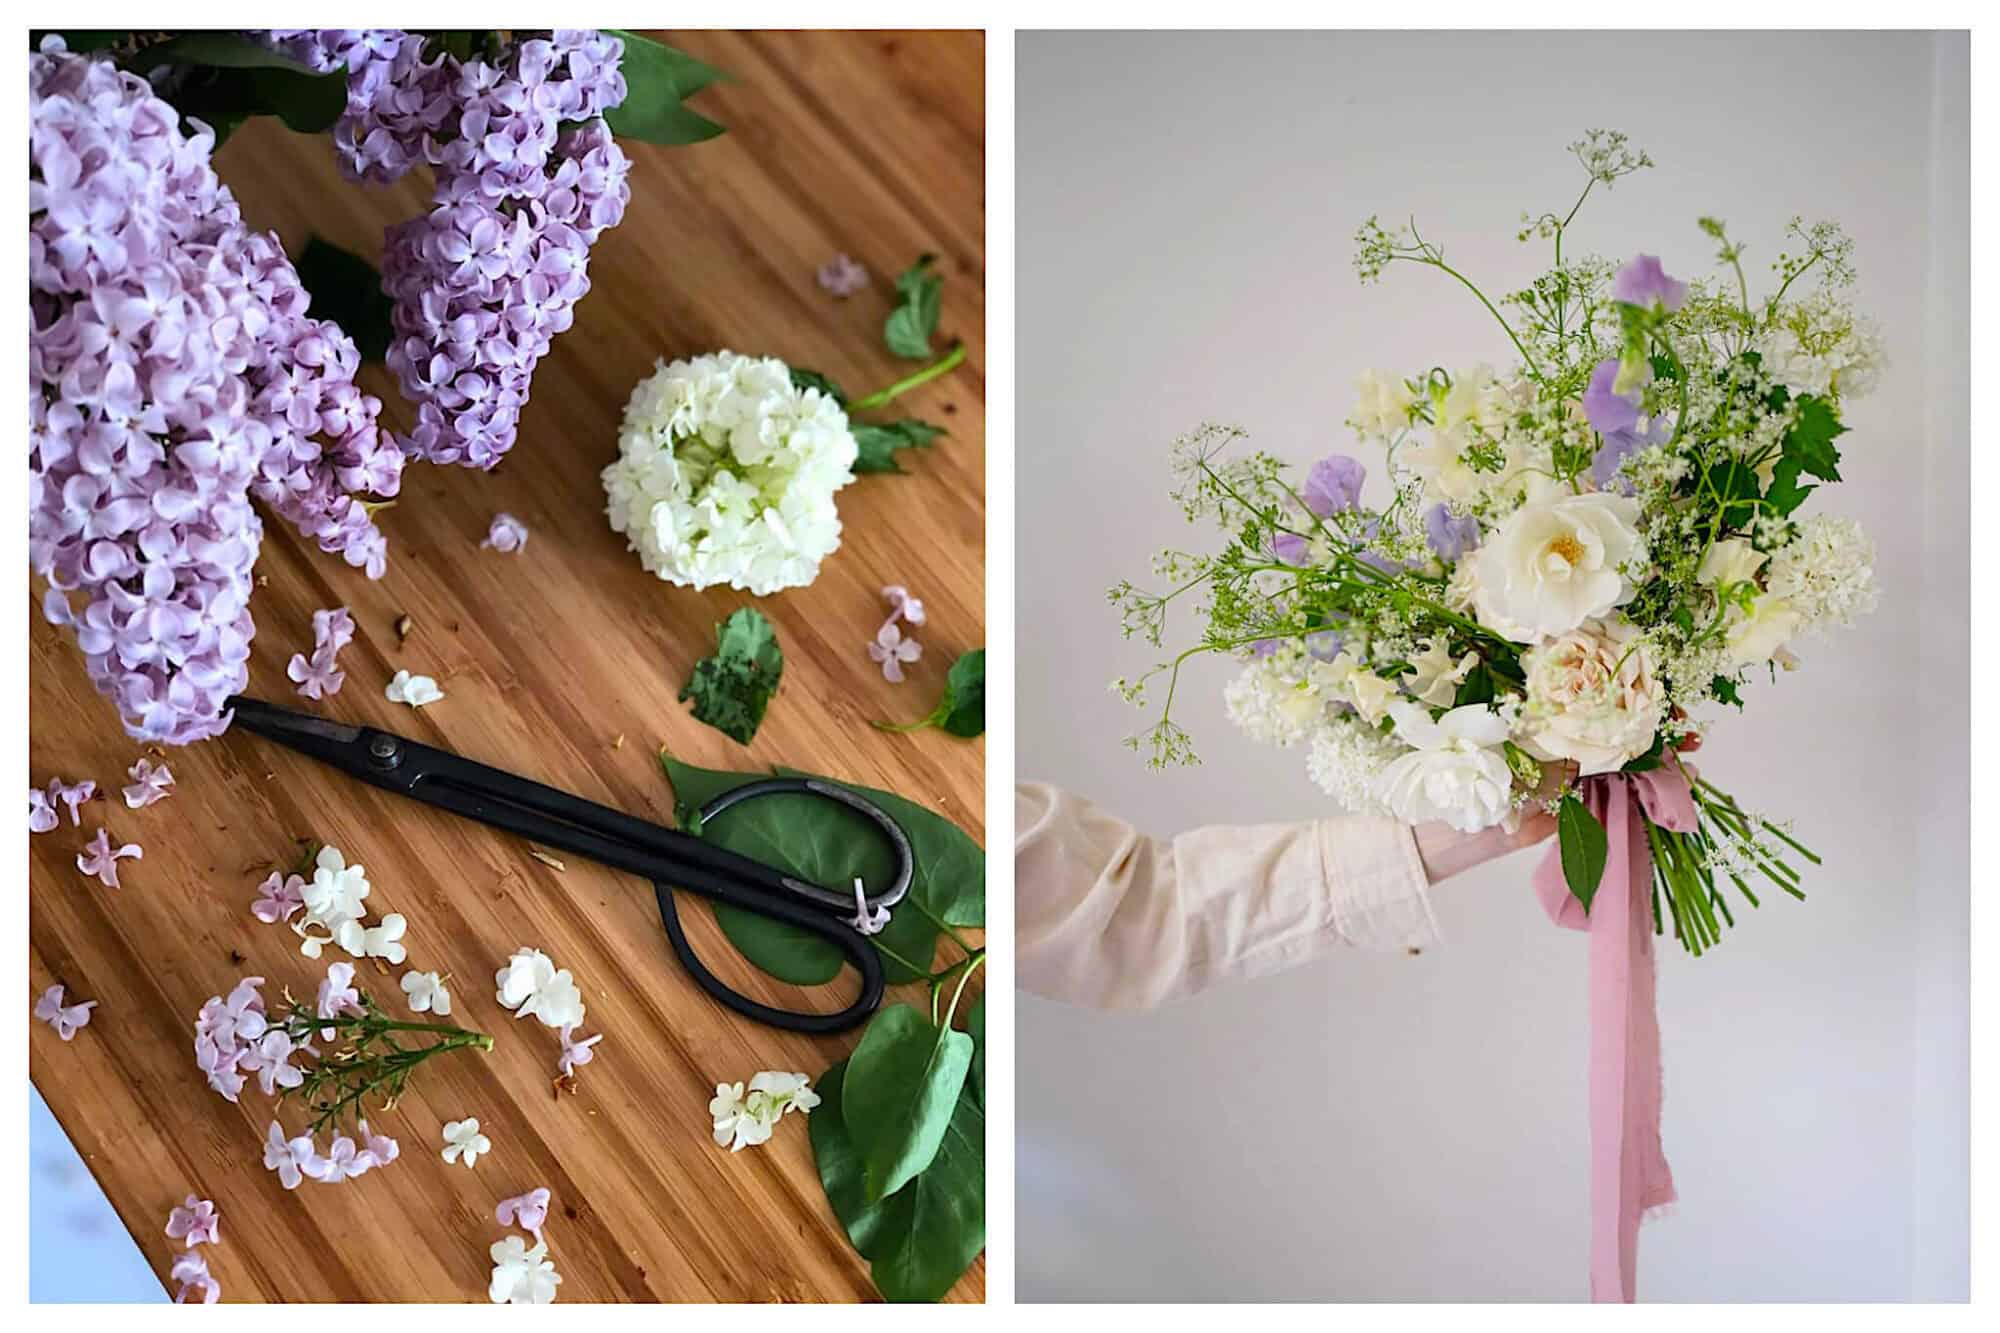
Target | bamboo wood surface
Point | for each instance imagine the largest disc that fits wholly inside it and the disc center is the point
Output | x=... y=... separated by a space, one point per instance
x=561 y=663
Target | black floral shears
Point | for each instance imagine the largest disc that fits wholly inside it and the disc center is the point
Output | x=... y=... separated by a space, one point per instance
x=670 y=858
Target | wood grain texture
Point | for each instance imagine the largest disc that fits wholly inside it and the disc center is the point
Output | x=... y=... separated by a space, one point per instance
x=560 y=663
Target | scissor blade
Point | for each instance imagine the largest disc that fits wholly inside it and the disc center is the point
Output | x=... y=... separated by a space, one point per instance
x=326 y=740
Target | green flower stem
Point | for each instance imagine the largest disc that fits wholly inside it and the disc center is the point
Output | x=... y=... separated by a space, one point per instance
x=895 y=957
x=944 y=365
x=942 y=925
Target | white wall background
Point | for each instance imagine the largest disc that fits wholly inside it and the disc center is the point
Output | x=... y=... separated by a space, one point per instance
x=1393 y=1128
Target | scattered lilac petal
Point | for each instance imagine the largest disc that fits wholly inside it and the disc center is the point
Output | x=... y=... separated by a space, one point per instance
x=891 y=649
x=191 y=1272
x=150 y=782
x=72 y=796
x=528 y=1211
x=279 y=898
x=842 y=276
x=42 y=816
x=315 y=675
x=101 y=859
x=196 y=1221
x=575 y=1052
x=902 y=604
x=507 y=534
x=66 y=1019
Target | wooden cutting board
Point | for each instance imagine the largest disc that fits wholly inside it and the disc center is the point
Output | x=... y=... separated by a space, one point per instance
x=561 y=663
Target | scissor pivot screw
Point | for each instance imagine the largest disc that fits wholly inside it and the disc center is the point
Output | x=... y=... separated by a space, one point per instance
x=385 y=752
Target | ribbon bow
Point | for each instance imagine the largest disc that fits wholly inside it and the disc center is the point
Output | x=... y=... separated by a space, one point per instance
x=1628 y=1168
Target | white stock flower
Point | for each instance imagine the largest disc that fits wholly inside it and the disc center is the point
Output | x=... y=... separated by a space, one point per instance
x=463 y=1141
x=1555 y=563
x=1455 y=771
x=427 y=992
x=522 y=1275
x=1594 y=696
x=726 y=473
x=1382 y=404
x=416 y=691
x=532 y=985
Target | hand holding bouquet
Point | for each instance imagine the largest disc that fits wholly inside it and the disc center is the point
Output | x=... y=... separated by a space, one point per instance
x=1580 y=558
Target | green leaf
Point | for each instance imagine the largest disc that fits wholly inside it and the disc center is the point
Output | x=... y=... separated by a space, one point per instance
x=657 y=80
x=346 y=289
x=921 y=1239
x=1736 y=489
x=812 y=379
x=829 y=844
x=235 y=78
x=1724 y=690
x=1786 y=493
x=1583 y=847
x=1476 y=688
x=79 y=41
x=911 y=324
x=879 y=445
x=902 y=1083
x=1809 y=442
x=975 y=1025
x=732 y=689
x=962 y=710
x=1650 y=760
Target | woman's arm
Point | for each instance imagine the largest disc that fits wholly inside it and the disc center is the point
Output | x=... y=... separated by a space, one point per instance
x=1108 y=917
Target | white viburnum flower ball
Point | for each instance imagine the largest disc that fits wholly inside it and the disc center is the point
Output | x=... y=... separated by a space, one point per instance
x=1557 y=563
x=1826 y=573
x=1455 y=772
x=726 y=473
x=1594 y=696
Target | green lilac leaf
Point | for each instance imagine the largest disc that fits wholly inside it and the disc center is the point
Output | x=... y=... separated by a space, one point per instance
x=878 y=446
x=732 y=689
x=921 y=1239
x=962 y=710
x=1583 y=846
x=346 y=289
x=901 y=1086
x=910 y=325
x=975 y=1024
x=233 y=78
x=658 y=79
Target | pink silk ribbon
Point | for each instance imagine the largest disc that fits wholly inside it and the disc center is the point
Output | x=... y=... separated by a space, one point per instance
x=1628 y=1167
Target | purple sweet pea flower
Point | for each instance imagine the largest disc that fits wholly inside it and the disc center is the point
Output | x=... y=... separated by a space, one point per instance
x=1451 y=536
x=1376 y=559
x=1644 y=283
x=1325 y=645
x=1334 y=484
x=1289 y=548
x=1609 y=412
x=1263 y=647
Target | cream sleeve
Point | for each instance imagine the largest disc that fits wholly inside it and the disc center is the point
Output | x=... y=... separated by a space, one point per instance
x=1108 y=917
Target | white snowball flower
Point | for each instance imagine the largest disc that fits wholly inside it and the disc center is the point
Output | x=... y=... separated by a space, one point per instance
x=1347 y=756
x=1594 y=696
x=1271 y=704
x=532 y=985
x=1556 y=563
x=522 y=1275
x=416 y=691
x=463 y=1139
x=1827 y=572
x=726 y=473
x=1822 y=347
x=427 y=993
x=1455 y=772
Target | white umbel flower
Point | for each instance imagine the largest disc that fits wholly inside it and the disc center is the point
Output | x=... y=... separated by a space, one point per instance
x=726 y=473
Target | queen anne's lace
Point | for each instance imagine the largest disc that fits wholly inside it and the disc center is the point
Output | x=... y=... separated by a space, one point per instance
x=174 y=376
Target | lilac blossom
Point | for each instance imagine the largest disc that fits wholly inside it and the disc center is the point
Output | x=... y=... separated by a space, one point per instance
x=101 y=859
x=1334 y=484
x=902 y=604
x=293 y=1159
x=343 y=1161
x=507 y=534
x=1642 y=282
x=196 y=1222
x=175 y=377
x=381 y=1149
x=528 y=1211
x=842 y=276
x=42 y=816
x=279 y=898
x=337 y=995
x=190 y=1271
x=226 y=1032
x=526 y=177
x=316 y=677
x=73 y=796
x=891 y=649
x=1450 y=535
x=270 y=1059
x=66 y=1019
x=150 y=782
x=574 y=1052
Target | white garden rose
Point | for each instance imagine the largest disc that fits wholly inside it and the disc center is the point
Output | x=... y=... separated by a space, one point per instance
x=1593 y=697
x=726 y=473
x=1555 y=563
x=1455 y=772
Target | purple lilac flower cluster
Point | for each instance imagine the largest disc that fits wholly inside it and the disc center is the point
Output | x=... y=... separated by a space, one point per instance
x=527 y=177
x=174 y=376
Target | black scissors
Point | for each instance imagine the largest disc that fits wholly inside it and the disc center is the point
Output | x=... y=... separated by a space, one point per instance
x=669 y=858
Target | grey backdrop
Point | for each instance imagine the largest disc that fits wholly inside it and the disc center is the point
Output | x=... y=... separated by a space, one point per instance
x=1400 y=1128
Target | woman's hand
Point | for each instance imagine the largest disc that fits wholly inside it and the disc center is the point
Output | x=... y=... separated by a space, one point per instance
x=1446 y=852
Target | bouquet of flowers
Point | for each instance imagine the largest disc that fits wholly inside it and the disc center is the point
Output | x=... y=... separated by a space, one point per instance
x=1580 y=557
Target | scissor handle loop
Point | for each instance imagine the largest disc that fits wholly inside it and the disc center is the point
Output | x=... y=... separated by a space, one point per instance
x=899 y=886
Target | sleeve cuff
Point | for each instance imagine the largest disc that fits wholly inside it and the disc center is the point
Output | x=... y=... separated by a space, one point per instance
x=1376 y=883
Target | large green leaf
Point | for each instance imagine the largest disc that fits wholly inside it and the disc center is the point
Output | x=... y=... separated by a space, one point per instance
x=233 y=77
x=732 y=689
x=975 y=1026
x=902 y=1082
x=1583 y=846
x=346 y=289
x=829 y=844
x=921 y=1239
x=657 y=80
